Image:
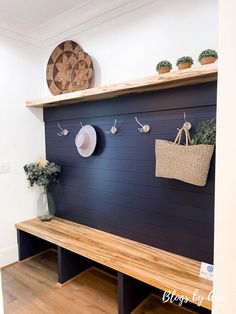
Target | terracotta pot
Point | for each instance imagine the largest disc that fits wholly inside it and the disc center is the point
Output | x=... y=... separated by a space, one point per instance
x=185 y=65
x=207 y=60
x=163 y=70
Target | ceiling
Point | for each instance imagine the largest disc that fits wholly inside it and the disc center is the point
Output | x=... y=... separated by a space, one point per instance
x=46 y=22
x=37 y=12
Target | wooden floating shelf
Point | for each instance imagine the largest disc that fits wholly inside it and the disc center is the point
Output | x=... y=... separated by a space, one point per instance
x=197 y=75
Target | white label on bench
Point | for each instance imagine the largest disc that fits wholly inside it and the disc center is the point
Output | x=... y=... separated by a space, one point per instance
x=206 y=271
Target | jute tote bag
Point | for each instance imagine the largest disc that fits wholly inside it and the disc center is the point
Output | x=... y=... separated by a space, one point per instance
x=188 y=163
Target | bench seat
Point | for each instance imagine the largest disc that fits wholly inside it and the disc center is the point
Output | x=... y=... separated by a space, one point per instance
x=155 y=267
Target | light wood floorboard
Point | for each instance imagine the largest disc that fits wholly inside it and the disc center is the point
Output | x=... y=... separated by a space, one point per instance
x=31 y=287
x=154 y=305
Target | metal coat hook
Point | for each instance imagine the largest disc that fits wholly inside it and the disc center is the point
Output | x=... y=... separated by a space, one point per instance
x=63 y=132
x=113 y=129
x=187 y=125
x=144 y=128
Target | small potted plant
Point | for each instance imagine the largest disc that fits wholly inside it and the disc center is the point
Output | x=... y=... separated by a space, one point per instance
x=164 y=67
x=208 y=56
x=184 y=62
x=43 y=173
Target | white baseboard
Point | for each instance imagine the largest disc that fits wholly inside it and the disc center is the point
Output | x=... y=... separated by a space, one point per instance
x=8 y=255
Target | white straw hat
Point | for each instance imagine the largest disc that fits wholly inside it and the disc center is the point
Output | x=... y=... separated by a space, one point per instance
x=86 y=140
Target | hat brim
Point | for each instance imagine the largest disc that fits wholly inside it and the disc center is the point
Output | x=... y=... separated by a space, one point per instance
x=92 y=135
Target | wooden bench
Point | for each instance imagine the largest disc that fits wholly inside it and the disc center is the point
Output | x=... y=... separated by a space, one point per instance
x=136 y=263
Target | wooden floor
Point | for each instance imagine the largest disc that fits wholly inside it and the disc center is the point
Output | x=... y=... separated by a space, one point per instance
x=31 y=287
x=153 y=305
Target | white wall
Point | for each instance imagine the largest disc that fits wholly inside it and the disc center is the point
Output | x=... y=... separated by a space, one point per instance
x=125 y=48
x=225 y=204
x=21 y=137
x=130 y=46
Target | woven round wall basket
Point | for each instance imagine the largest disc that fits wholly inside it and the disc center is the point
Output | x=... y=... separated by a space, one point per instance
x=187 y=163
x=69 y=69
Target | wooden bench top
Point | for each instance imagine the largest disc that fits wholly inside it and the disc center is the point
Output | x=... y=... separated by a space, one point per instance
x=163 y=270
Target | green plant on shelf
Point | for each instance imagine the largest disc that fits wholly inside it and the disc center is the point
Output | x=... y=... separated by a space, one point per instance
x=164 y=64
x=185 y=59
x=208 y=53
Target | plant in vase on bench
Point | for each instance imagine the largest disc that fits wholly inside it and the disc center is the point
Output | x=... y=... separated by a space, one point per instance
x=43 y=173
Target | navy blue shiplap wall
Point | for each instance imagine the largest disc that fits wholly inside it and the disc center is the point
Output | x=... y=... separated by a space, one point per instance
x=116 y=190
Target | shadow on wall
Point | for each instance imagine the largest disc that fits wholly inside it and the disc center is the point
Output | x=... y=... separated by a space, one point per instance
x=101 y=139
x=37 y=112
x=97 y=78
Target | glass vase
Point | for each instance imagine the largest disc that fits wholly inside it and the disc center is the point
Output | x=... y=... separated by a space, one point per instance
x=45 y=206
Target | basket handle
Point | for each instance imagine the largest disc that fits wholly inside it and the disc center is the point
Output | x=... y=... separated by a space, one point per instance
x=179 y=136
